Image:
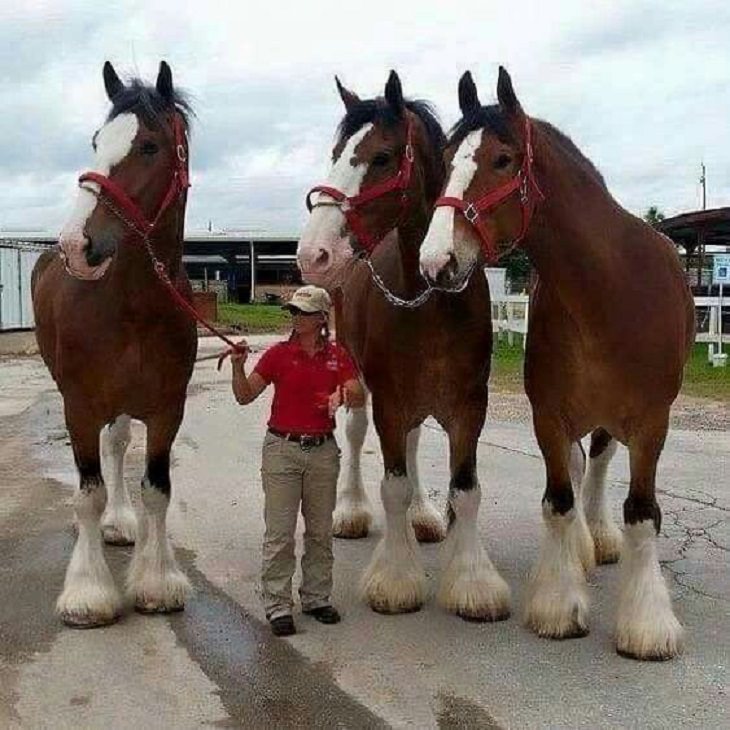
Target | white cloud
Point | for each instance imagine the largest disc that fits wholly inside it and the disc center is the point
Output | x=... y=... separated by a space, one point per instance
x=641 y=87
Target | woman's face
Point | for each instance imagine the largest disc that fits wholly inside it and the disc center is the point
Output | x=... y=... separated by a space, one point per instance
x=306 y=323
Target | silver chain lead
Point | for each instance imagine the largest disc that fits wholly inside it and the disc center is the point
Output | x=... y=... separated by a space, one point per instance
x=417 y=301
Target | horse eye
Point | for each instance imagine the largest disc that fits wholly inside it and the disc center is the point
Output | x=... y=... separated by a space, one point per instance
x=149 y=148
x=381 y=159
x=502 y=161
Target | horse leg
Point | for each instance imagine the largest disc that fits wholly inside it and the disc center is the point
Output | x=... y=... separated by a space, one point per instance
x=119 y=521
x=471 y=587
x=89 y=597
x=353 y=514
x=607 y=536
x=427 y=523
x=646 y=626
x=395 y=581
x=557 y=603
x=154 y=580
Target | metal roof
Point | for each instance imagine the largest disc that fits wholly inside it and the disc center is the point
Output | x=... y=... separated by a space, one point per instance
x=713 y=224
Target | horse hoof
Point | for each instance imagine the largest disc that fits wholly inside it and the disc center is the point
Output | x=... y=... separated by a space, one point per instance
x=115 y=537
x=354 y=526
x=429 y=531
x=87 y=621
x=481 y=618
x=151 y=608
x=384 y=610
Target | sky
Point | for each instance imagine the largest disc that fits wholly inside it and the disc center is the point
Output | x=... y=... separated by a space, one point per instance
x=643 y=88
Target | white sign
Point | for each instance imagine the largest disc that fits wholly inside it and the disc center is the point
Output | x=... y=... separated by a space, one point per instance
x=721 y=269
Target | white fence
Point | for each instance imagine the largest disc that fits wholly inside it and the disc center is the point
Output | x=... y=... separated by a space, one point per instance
x=16 y=265
x=510 y=315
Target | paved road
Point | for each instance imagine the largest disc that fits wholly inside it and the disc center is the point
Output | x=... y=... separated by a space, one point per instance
x=216 y=663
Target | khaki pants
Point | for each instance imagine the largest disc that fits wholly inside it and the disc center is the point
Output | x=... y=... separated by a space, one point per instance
x=291 y=476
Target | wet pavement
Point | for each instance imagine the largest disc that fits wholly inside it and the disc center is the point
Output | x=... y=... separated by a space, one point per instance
x=216 y=664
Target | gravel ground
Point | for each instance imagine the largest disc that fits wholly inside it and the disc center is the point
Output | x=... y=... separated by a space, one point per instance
x=688 y=413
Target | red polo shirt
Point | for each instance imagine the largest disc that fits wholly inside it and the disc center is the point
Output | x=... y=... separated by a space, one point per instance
x=303 y=384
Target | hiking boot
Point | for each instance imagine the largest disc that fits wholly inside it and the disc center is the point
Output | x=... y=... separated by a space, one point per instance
x=325 y=614
x=283 y=626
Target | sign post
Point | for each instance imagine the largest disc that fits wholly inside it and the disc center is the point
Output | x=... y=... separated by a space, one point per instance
x=720 y=277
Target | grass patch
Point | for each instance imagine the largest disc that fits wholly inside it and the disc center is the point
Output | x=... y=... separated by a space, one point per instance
x=701 y=380
x=257 y=318
x=704 y=381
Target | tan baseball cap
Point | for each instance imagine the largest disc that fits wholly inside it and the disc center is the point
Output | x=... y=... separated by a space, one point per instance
x=310 y=299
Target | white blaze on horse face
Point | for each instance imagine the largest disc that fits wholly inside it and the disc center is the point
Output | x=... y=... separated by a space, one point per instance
x=324 y=247
x=439 y=243
x=113 y=143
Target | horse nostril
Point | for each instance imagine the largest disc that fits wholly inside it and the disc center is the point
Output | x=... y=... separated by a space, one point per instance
x=322 y=260
x=94 y=257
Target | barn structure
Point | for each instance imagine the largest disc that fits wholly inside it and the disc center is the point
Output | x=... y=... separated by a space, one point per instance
x=242 y=267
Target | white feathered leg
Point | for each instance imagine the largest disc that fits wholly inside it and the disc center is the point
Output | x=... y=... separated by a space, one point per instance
x=155 y=582
x=606 y=533
x=119 y=521
x=428 y=523
x=90 y=597
x=353 y=514
x=471 y=587
x=557 y=602
x=395 y=581
x=647 y=627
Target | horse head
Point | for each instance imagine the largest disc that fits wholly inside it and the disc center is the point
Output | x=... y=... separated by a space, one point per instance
x=386 y=165
x=490 y=192
x=139 y=175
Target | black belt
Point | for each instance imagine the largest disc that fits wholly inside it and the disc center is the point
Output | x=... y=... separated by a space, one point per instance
x=306 y=441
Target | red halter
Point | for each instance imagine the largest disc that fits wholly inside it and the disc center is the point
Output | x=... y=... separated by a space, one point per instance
x=125 y=208
x=350 y=205
x=523 y=182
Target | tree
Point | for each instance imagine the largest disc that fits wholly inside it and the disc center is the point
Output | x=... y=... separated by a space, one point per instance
x=654 y=216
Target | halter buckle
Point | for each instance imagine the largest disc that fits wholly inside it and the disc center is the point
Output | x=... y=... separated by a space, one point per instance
x=524 y=187
x=409 y=153
x=181 y=155
x=471 y=213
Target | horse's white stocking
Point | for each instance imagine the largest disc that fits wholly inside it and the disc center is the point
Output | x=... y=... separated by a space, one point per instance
x=427 y=523
x=154 y=581
x=395 y=581
x=119 y=521
x=353 y=514
x=471 y=587
x=576 y=468
x=89 y=597
x=606 y=533
x=646 y=626
x=557 y=604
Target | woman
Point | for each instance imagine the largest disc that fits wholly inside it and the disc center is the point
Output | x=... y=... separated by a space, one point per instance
x=312 y=378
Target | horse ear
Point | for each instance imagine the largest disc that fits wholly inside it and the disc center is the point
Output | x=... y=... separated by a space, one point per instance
x=164 y=81
x=394 y=93
x=349 y=98
x=468 y=97
x=112 y=82
x=506 y=94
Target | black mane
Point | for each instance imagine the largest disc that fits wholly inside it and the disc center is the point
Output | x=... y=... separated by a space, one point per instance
x=378 y=110
x=493 y=119
x=145 y=100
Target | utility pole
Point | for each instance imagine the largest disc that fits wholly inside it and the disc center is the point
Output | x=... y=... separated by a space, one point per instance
x=703 y=182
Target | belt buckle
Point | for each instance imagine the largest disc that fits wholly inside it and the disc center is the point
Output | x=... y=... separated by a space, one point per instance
x=307 y=442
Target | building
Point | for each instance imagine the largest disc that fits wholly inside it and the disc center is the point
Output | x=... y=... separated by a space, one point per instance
x=700 y=233
x=225 y=258
x=228 y=257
